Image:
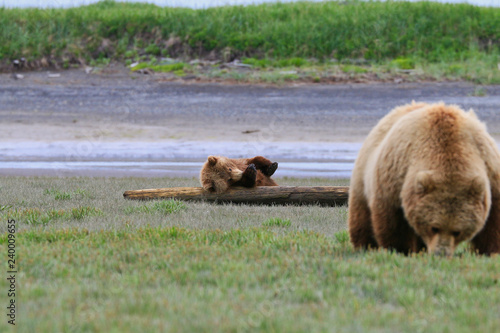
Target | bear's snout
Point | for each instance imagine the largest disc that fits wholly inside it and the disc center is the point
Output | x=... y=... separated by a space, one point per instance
x=442 y=245
x=443 y=252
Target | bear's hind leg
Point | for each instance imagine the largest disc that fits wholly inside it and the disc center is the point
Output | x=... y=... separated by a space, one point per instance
x=360 y=226
x=264 y=165
x=269 y=171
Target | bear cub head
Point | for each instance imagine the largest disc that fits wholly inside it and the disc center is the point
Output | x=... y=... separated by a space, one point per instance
x=445 y=211
x=219 y=173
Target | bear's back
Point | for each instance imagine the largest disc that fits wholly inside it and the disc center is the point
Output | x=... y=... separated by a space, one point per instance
x=434 y=137
x=438 y=136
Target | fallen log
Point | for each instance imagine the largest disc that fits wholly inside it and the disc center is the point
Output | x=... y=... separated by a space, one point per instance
x=267 y=195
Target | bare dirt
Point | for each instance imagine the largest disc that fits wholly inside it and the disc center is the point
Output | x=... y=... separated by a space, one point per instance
x=118 y=105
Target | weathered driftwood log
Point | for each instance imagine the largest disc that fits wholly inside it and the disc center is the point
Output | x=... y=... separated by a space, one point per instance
x=279 y=195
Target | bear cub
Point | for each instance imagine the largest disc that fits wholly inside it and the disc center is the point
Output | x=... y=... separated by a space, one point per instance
x=219 y=173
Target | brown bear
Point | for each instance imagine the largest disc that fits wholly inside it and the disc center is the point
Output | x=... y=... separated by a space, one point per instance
x=426 y=178
x=219 y=173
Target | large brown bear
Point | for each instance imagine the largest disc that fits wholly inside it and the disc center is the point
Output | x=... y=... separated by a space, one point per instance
x=427 y=177
x=219 y=173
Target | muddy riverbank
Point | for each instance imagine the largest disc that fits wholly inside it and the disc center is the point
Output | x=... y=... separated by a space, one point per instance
x=86 y=112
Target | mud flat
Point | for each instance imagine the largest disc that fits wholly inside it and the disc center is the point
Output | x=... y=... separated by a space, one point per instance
x=121 y=124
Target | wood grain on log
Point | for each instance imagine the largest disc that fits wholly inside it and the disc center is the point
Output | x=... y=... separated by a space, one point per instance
x=267 y=195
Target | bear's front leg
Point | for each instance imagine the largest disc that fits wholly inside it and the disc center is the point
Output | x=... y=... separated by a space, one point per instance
x=392 y=231
x=487 y=241
x=249 y=176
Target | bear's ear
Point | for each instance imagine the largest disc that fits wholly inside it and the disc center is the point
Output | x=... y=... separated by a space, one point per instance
x=425 y=182
x=472 y=114
x=477 y=187
x=212 y=160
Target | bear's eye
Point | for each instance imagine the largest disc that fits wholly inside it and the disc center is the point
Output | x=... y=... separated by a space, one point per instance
x=230 y=170
x=434 y=230
x=456 y=233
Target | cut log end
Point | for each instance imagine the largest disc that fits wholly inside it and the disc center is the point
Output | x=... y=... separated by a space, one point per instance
x=264 y=195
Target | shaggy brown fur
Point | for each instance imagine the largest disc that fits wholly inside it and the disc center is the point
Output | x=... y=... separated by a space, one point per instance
x=427 y=177
x=219 y=173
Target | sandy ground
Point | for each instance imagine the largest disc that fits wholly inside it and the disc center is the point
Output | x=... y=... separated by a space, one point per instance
x=116 y=105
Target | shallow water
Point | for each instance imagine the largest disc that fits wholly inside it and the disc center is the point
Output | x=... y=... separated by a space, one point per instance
x=161 y=169
x=170 y=159
x=193 y=3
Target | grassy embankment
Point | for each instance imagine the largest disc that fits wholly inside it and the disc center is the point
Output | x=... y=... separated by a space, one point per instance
x=164 y=266
x=314 y=42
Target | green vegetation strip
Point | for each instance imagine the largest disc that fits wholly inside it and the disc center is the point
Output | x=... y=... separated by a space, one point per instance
x=35 y=216
x=158 y=279
x=163 y=207
x=349 y=29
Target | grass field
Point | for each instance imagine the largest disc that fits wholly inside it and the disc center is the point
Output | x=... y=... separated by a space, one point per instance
x=91 y=261
x=435 y=41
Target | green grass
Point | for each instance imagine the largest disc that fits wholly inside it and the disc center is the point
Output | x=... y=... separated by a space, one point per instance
x=61 y=195
x=58 y=195
x=404 y=63
x=162 y=207
x=276 y=222
x=160 y=68
x=97 y=204
x=480 y=70
x=37 y=216
x=153 y=266
x=354 y=69
x=276 y=63
x=154 y=279
x=268 y=35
